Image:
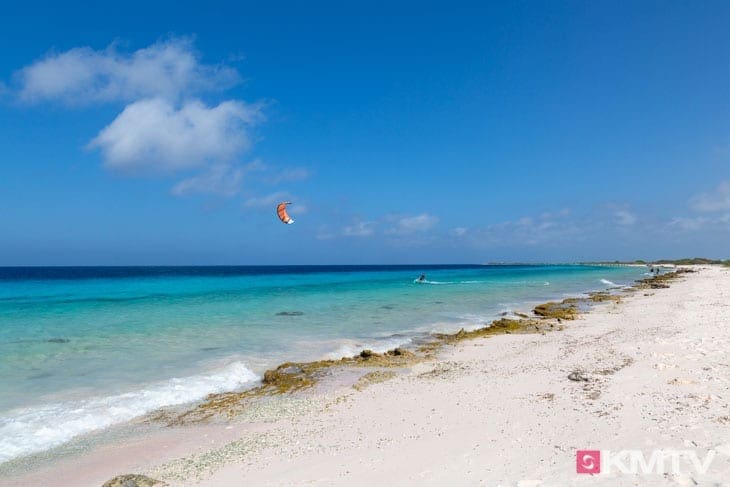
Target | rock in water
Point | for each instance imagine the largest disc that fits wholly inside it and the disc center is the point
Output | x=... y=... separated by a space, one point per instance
x=58 y=340
x=133 y=480
x=290 y=313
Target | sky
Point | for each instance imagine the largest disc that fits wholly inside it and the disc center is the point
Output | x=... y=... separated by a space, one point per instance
x=165 y=133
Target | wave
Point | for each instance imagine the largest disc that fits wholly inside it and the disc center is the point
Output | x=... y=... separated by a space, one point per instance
x=426 y=281
x=34 y=429
x=350 y=348
x=608 y=283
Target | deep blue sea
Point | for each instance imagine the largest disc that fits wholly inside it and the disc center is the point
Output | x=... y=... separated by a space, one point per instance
x=85 y=348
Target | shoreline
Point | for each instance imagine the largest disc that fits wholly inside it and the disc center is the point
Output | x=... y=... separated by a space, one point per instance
x=316 y=395
x=230 y=373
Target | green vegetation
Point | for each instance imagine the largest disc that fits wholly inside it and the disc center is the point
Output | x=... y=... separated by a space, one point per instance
x=685 y=261
x=692 y=261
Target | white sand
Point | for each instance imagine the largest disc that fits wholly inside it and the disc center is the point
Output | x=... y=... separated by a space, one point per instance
x=494 y=411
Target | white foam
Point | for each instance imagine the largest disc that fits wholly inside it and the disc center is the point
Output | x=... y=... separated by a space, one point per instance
x=608 y=283
x=34 y=429
x=352 y=347
x=426 y=281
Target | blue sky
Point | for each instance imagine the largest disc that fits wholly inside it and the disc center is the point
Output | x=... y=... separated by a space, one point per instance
x=420 y=132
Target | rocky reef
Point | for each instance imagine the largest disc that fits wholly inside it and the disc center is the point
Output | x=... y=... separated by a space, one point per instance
x=661 y=281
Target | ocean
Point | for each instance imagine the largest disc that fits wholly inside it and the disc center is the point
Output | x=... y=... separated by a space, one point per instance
x=85 y=348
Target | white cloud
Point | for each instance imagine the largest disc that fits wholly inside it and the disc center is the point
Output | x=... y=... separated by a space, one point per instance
x=168 y=69
x=718 y=200
x=153 y=135
x=624 y=218
x=689 y=224
x=412 y=224
x=359 y=229
x=164 y=127
x=548 y=228
x=459 y=231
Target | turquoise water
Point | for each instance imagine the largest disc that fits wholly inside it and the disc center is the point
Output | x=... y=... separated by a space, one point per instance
x=81 y=349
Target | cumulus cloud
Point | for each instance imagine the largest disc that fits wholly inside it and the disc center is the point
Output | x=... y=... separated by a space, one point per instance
x=168 y=69
x=459 y=231
x=406 y=225
x=153 y=134
x=718 y=200
x=359 y=229
x=164 y=127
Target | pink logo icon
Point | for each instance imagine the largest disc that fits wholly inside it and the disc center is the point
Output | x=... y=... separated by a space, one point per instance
x=588 y=461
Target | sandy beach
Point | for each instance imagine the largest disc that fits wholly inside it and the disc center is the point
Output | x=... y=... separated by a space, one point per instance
x=650 y=377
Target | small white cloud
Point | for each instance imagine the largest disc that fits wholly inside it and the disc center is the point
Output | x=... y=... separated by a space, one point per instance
x=689 y=224
x=459 y=231
x=153 y=135
x=412 y=224
x=360 y=229
x=718 y=200
x=624 y=218
x=167 y=69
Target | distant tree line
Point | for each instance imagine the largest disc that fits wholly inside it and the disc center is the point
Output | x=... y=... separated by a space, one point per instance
x=687 y=261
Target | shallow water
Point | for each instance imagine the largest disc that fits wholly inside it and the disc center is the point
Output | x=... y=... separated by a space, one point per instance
x=84 y=348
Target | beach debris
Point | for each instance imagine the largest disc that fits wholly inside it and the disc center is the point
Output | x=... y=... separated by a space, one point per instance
x=58 y=340
x=547 y=396
x=282 y=214
x=290 y=313
x=367 y=353
x=133 y=480
x=578 y=376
